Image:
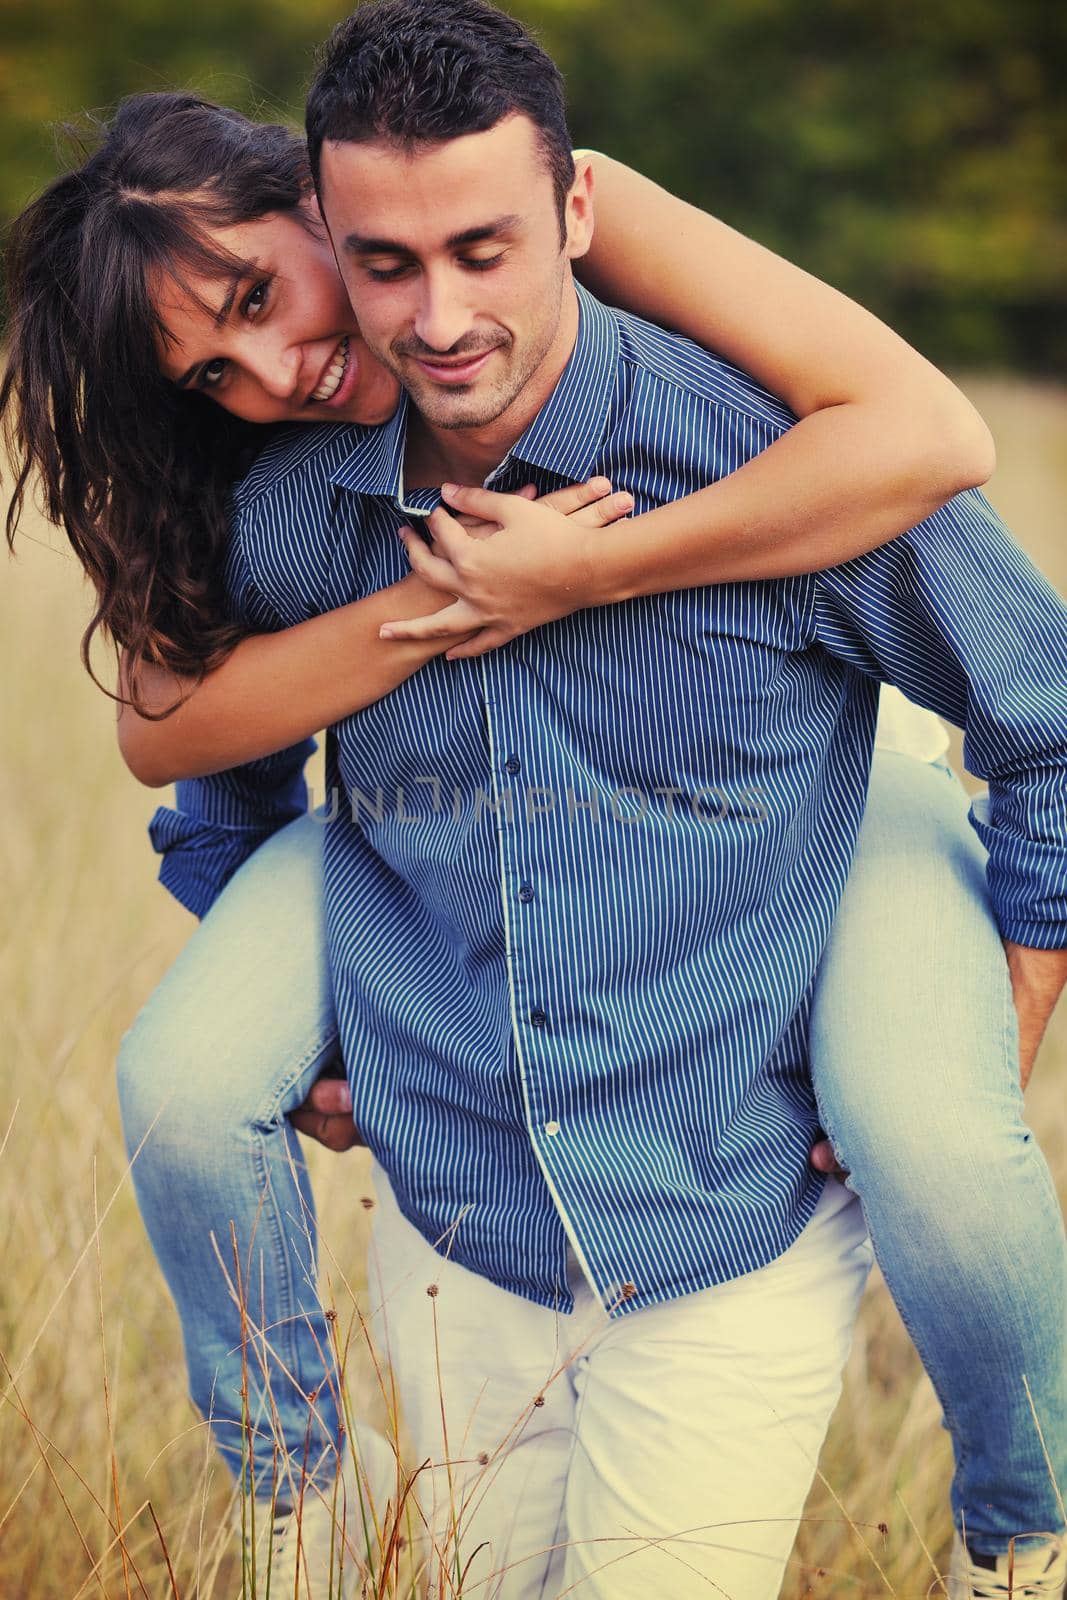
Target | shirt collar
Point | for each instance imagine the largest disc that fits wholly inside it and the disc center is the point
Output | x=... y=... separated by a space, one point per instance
x=563 y=438
x=376 y=465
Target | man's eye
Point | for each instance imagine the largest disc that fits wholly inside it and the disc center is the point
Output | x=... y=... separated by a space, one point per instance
x=212 y=373
x=386 y=274
x=483 y=263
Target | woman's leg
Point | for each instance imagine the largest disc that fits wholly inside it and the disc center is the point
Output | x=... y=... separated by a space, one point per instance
x=915 y=1058
x=231 y=1040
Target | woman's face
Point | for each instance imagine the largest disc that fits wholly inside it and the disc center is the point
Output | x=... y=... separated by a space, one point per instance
x=281 y=344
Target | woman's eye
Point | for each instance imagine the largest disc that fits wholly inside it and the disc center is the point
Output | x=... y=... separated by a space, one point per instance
x=211 y=373
x=257 y=298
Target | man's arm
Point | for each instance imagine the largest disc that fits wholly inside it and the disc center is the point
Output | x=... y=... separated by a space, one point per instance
x=1037 y=981
x=957 y=616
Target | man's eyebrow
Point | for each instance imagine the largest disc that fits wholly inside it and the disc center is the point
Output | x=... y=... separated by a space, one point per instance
x=365 y=245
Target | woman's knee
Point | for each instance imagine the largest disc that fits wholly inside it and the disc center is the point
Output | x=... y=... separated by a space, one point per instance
x=244 y=1018
x=167 y=1091
x=948 y=1156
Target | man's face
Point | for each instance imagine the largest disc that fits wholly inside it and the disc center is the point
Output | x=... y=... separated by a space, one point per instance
x=452 y=258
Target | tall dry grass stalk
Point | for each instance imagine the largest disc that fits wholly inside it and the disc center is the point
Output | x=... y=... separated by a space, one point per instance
x=108 y=1482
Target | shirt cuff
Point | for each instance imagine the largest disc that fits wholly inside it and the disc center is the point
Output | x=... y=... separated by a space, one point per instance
x=200 y=858
x=1027 y=884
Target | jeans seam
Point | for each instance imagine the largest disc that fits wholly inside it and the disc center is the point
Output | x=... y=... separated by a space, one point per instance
x=266 y=1124
x=933 y=1370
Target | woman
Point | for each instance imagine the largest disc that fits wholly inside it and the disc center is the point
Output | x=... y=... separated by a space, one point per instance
x=185 y=202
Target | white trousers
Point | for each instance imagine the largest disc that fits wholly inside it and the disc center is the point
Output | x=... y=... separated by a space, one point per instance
x=667 y=1452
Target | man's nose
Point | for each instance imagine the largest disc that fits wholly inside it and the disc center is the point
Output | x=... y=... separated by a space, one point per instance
x=443 y=315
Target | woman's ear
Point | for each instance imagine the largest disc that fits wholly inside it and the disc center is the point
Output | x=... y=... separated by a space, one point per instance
x=579 y=209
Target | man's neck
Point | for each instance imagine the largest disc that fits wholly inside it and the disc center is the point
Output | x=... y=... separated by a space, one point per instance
x=469 y=455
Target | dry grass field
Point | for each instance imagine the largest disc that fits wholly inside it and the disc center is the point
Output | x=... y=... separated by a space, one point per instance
x=86 y=934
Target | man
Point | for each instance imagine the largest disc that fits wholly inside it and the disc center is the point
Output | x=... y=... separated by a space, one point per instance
x=575 y=975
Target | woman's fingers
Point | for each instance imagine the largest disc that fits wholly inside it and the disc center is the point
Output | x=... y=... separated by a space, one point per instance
x=591 y=503
x=454 y=622
x=484 y=640
x=435 y=569
x=448 y=534
x=485 y=504
x=602 y=513
x=577 y=496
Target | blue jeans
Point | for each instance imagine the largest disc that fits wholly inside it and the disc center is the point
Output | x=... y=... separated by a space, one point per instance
x=915 y=1056
x=232 y=1039
x=915 y=1059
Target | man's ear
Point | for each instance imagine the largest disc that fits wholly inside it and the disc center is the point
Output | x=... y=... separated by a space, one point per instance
x=579 y=210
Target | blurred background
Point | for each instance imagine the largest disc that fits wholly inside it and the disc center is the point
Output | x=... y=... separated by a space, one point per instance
x=914 y=154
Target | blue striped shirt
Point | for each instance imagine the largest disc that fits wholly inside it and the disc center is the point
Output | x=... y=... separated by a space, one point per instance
x=576 y=890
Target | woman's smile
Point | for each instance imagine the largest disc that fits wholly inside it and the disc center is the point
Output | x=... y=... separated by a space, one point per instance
x=272 y=338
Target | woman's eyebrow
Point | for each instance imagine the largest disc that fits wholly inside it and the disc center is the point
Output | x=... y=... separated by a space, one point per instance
x=222 y=315
x=241 y=274
x=247 y=270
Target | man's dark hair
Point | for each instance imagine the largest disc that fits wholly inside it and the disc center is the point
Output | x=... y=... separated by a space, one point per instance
x=416 y=72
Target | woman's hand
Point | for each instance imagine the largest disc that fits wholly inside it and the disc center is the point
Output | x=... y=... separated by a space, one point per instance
x=512 y=562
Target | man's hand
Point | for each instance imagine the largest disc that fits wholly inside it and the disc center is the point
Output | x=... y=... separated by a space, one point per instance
x=822 y=1158
x=1037 y=978
x=326 y=1115
x=538 y=564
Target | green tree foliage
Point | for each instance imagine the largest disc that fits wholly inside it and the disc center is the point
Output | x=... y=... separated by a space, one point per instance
x=913 y=152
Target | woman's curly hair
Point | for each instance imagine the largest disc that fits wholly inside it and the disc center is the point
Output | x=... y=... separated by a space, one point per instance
x=136 y=470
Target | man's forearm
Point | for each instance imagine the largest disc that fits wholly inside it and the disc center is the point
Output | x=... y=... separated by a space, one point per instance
x=1037 y=980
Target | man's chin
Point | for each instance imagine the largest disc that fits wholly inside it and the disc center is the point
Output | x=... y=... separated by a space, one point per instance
x=458 y=408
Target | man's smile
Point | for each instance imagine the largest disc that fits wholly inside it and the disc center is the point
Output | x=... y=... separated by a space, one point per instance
x=456 y=371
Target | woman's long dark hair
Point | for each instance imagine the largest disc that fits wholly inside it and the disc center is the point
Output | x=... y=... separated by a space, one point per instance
x=137 y=471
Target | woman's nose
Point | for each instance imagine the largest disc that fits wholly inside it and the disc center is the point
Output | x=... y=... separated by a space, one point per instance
x=276 y=367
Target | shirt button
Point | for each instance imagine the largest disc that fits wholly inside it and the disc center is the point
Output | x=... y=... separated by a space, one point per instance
x=538 y=1018
x=513 y=765
x=526 y=894
x=551 y=1128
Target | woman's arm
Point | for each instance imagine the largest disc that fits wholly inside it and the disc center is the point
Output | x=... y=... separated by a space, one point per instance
x=274 y=689
x=884 y=438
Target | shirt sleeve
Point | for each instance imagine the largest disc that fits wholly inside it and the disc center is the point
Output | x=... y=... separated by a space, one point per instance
x=217 y=822
x=959 y=618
